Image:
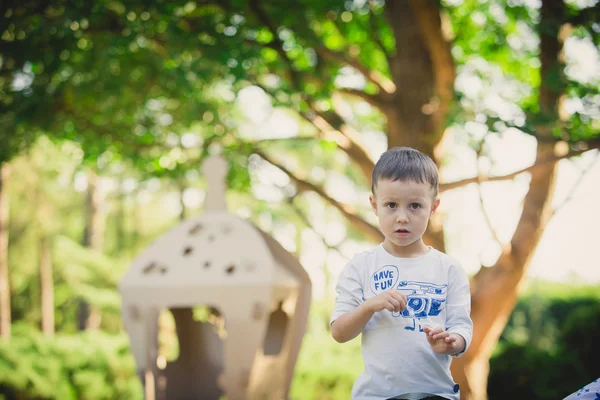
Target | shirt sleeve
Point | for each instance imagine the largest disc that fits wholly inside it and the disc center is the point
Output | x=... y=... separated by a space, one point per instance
x=588 y=392
x=458 y=313
x=349 y=291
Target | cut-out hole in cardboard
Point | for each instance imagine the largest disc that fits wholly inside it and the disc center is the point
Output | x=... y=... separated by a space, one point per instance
x=188 y=250
x=278 y=322
x=196 y=229
x=201 y=358
x=149 y=268
x=230 y=269
x=206 y=264
x=154 y=268
x=212 y=316
x=205 y=314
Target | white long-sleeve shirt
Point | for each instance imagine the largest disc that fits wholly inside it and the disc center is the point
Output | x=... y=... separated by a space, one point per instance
x=399 y=362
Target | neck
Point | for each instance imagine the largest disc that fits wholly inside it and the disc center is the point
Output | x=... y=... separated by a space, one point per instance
x=413 y=250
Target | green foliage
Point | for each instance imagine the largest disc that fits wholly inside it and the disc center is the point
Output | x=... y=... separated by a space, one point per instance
x=87 y=366
x=526 y=373
x=549 y=347
x=579 y=338
x=326 y=370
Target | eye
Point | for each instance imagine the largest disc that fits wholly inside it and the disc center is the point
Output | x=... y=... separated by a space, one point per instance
x=391 y=205
x=415 y=206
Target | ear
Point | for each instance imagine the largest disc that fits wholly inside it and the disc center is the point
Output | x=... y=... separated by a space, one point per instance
x=373 y=202
x=434 y=206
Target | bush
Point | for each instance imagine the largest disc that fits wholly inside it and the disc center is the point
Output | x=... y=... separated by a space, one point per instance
x=524 y=371
x=91 y=365
x=326 y=370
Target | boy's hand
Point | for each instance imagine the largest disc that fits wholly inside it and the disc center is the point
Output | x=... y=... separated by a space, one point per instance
x=391 y=300
x=444 y=342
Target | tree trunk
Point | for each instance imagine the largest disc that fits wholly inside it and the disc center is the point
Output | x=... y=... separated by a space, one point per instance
x=424 y=69
x=46 y=286
x=4 y=279
x=121 y=220
x=88 y=317
x=495 y=290
x=94 y=230
x=137 y=223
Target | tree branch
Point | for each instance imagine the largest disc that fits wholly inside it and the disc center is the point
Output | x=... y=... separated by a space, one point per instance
x=530 y=131
x=587 y=16
x=576 y=185
x=385 y=85
x=264 y=18
x=307 y=223
x=572 y=153
x=486 y=216
x=375 y=31
x=373 y=100
x=333 y=124
x=290 y=139
x=347 y=211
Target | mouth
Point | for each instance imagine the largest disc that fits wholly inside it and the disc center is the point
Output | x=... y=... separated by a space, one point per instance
x=402 y=232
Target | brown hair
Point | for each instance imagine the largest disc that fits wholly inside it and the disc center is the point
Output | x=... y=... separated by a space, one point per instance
x=406 y=164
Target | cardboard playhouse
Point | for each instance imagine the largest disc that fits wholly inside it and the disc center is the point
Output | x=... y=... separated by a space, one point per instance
x=248 y=281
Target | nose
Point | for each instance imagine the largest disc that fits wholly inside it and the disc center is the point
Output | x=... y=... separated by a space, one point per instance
x=402 y=217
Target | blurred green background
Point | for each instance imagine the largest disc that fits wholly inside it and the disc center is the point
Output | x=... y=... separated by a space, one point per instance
x=108 y=108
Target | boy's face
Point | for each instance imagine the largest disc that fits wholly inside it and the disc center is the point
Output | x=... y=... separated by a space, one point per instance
x=403 y=209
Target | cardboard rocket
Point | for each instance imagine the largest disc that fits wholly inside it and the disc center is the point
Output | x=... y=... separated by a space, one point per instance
x=245 y=277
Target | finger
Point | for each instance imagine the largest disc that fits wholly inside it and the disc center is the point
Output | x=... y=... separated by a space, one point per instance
x=427 y=331
x=442 y=335
x=436 y=331
x=451 y=339
x=394 y=302
x=399 y=295
x=401 y=301
x=389 y=306
x=403 y=304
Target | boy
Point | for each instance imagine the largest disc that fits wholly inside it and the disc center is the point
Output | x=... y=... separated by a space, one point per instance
x=410 y=301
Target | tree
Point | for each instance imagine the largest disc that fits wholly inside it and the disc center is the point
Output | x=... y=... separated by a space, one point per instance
x=47 y=286
x=4 y=282
x=93 y=238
